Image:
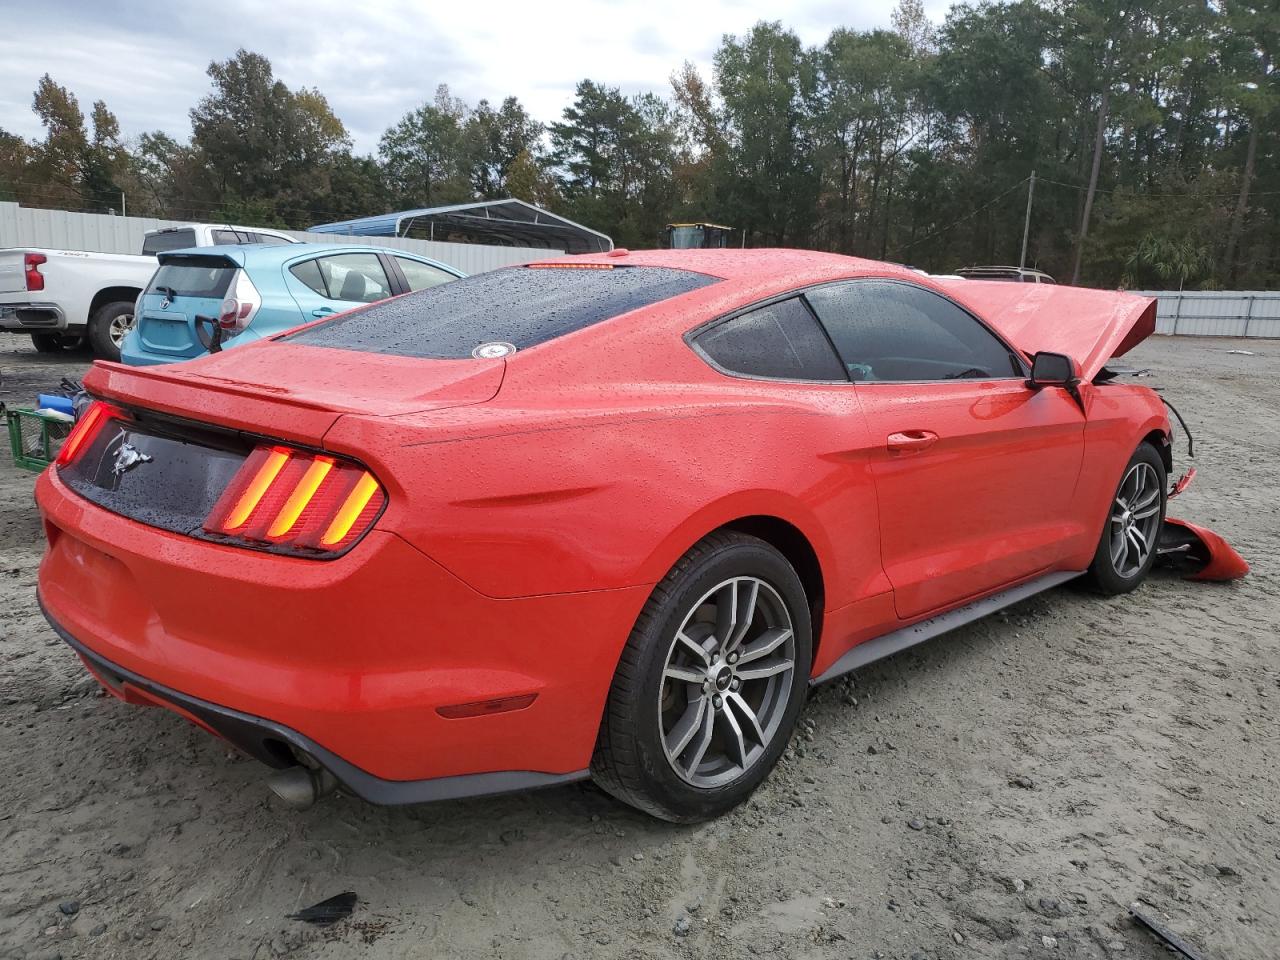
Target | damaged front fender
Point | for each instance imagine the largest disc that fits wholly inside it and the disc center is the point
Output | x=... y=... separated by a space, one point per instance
x=1200 y=552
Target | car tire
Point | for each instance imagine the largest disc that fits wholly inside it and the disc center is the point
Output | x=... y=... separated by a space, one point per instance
x=1130 y=538
x=653 y=705
x=108 y=327
x=47 y=342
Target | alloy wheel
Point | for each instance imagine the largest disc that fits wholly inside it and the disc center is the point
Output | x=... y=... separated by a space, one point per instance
x=726 y=682
x=1135 y=519
x=120 y=327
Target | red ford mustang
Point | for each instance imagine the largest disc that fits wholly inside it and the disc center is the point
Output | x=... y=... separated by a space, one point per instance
x=602 y=516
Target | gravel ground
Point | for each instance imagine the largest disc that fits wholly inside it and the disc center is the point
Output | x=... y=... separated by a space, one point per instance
x=1005 y=791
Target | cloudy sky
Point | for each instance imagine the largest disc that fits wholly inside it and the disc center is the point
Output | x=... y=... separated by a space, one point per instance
x=377 y=59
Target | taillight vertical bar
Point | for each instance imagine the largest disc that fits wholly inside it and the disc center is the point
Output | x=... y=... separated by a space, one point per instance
x=301 y=496
x=94 y=419
x=350 y=510
x=257 y=488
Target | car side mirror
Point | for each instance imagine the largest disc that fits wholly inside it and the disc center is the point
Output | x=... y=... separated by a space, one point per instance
x=1056 y=370
x=1052 y=370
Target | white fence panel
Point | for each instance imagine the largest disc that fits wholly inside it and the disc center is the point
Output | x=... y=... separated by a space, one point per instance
x=101 y=233
x=1217 y=313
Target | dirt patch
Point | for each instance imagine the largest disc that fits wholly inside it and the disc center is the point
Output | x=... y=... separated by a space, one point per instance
x=1059 y=761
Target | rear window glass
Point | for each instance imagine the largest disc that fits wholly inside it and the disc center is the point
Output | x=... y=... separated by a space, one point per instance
x=523 y=306
x=206 y=277
x=168 y=240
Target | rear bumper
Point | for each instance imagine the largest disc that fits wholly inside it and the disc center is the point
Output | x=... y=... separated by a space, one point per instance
x=32 y=318
x=352 y=657
x=269 y=742
x=136 y=353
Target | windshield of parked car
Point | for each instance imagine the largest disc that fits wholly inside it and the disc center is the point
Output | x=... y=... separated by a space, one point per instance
x=168 y=240
x=519 y=306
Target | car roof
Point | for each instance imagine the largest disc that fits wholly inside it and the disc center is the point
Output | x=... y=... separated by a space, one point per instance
x=266 y=254
x=755 y=264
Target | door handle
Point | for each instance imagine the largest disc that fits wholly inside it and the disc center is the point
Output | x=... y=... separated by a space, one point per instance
x=910 y=441
x=322 y=311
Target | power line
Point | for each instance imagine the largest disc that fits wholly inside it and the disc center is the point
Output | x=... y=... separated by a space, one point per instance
x=967 y=216
x=1184 y=195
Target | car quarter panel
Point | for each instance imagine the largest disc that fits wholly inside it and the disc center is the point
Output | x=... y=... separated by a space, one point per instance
x=611 y=496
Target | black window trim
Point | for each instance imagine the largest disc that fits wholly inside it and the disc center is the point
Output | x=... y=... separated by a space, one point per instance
x=1013 y=352
x=691 y=338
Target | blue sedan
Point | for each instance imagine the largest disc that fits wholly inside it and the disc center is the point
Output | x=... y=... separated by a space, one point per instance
x=213 y=298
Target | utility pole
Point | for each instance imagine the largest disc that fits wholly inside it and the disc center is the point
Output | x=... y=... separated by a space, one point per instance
x=1026 y=226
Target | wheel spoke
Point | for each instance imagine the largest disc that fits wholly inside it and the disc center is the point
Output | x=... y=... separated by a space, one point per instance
x=763 y=670
x=737 y=744
x=764 y=645
x=685 y=674
x=726 y=613
x=748 y=715
x=1146 y=501
x=706 y=729
x=1118 y=541
x=694 y=647
x=686 y=727
x=744 y=613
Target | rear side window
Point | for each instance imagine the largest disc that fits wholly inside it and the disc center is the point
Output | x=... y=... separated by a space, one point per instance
x=892 y=331
x=268 y=239
x=309 y=273
x=205 y=277
x=225 y=237
x=420 y=275
x=523 y=306
x=168 y=240
x=781 y=341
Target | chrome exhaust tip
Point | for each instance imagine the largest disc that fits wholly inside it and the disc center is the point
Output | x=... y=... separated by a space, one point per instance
x=300 y=787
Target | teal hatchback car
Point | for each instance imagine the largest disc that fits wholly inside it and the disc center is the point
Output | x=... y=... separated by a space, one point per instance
x=213 y=298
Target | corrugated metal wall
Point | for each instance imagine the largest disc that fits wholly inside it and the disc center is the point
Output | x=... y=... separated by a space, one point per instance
x=1217 y=313
x=100 y=233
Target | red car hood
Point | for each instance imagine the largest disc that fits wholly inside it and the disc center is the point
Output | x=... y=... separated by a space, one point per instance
x=285 y=389
x=1090 y=326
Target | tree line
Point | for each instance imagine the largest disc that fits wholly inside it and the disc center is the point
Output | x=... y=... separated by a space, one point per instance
x=1151 y=126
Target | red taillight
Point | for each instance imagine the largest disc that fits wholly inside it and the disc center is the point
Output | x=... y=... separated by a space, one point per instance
x=295 y=499
x=31 y=263
x=86 y=428
x=233 y=314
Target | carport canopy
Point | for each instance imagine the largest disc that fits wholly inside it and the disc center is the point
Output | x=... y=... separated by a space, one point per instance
x=508 y=223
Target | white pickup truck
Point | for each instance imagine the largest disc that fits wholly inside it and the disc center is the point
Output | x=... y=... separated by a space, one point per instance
x=62 y=297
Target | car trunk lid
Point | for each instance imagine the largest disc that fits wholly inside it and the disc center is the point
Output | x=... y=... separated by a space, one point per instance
x=1090 y=326
x=294 y=391
x=184 y=287
x=13 y=271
